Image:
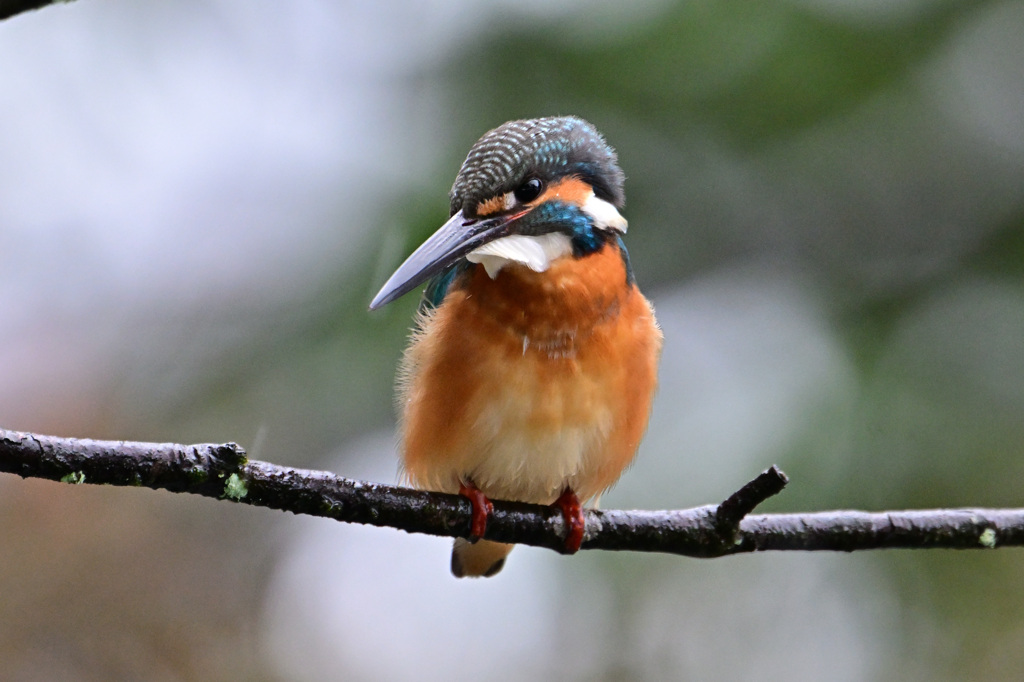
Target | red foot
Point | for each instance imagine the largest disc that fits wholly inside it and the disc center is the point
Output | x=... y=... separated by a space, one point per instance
x=572 y=512
x=482 y=509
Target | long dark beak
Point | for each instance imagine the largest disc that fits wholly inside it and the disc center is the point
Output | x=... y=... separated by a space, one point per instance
x=455 y=239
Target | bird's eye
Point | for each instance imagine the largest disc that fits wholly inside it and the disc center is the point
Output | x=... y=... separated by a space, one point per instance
x=529 y=190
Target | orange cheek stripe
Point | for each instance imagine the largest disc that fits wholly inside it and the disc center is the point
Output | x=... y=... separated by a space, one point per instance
x=571 y=190
x=492 y=205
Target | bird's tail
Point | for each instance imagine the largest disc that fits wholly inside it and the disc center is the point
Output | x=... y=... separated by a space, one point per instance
x=482 y=558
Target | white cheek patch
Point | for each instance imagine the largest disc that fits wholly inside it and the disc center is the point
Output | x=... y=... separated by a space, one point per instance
x=535 y=252
x=605 y=215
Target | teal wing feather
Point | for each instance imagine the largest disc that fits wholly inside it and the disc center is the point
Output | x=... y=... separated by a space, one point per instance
x=439 y=285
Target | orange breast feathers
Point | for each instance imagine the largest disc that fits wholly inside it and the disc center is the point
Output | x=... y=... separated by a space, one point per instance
x=531 y=382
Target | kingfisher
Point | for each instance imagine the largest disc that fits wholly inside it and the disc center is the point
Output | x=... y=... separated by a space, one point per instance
x=532 y=363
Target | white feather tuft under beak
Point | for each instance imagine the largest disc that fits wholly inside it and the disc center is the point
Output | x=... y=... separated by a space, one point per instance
x=535 y=252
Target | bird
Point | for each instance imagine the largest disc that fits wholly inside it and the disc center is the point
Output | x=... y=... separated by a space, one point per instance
x=532 y=363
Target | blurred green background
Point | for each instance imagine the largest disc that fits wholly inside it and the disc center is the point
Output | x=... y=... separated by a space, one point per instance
x=826 y=206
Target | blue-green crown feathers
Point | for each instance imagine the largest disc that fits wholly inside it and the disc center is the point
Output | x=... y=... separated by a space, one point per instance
x=544 y=147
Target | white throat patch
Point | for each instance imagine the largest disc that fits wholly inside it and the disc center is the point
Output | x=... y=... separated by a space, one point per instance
x=535 y=252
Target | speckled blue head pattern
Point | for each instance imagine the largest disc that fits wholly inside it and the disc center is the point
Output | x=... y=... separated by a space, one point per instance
x=547 y=148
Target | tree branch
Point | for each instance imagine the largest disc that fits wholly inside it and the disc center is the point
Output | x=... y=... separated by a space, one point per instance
x=9 y=8
x=223 y=472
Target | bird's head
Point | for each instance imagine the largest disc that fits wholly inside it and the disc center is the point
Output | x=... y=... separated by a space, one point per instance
x=529 y=192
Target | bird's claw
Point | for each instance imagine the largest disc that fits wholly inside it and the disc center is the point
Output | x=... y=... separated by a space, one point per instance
x=482 y=510
x=572 y=512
